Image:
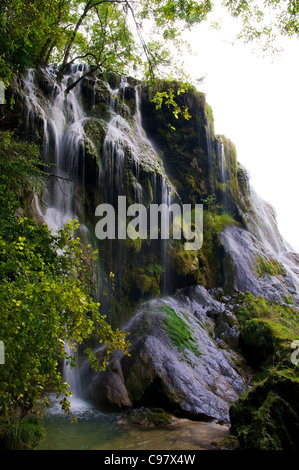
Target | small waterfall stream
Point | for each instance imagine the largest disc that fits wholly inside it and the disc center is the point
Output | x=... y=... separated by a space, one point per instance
x=210 y=156
x=222 y=166
x=63 y=119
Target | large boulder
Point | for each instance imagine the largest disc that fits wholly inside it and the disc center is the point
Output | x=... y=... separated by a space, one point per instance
x=176 y=361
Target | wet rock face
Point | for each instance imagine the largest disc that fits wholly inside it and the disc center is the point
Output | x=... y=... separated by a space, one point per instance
x=176 y=360
x=252 y=267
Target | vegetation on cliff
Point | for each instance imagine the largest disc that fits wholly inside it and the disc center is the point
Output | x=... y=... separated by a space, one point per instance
x=266 y=417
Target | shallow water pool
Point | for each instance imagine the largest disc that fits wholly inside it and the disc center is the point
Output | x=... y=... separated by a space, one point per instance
x=99 y=430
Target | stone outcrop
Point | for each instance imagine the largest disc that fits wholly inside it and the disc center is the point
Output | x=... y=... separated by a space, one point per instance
x=177 y=359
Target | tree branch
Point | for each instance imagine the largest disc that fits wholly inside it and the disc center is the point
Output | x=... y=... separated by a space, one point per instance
x=86 y=74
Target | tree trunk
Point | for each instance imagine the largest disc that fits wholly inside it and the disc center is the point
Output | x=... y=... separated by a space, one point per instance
x=88 y=6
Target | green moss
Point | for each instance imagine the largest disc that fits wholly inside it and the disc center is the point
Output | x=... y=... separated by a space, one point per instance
x=147 y=285
x=135 y=244
x=112 y=78
x=263 y=341
x=178 y=331
x=267 y=330
x=250 y=307
x=95 y=130
x=148 y=192
x=101 y=110
x=269 y=266
x=267 y=417
x=185 y=263
x=148 y=279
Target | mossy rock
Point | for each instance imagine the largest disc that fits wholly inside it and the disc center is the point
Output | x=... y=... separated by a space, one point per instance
x=269 y=266
x=257 y=341
x=148 y=285
x=267 y=329
x=101 y=110
x=134 y=244
x=112 y=78
x=95 y=131
x=122 y=108
x=146 y=417
x=185 y=263
x=267 y=417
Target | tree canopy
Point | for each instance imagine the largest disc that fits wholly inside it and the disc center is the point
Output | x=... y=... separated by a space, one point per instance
x=121 y=34
x=266 y=19
x=105 y=33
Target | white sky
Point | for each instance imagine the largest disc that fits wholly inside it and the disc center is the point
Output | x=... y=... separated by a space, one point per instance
x=255 y=104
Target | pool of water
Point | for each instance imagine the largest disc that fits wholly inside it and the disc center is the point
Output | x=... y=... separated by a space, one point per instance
x=99 y=430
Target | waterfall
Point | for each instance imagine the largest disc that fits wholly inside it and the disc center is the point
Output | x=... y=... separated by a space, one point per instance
x=138 y=121
x=63 y=135
x=121 y=140
x=210 y=156
x=113 y=155
x=60 y=120
x=222 y=166
x=166 y=281
x=70 y=374
x=261 y=221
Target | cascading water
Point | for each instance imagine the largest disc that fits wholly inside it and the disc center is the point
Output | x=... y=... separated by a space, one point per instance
x=166 y=280
x=263 y=224
x=60 y=119
x=126 y=158
x=113 y=155
x=210 y=156
x=63 y=134
x=63 y=117
x=128 y=141
x=222 y=166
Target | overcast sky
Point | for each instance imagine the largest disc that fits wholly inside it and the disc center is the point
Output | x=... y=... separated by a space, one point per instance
x=256 y=104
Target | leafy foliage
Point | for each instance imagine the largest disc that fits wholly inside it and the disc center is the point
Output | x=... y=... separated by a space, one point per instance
x=265 y=21
x=101 y=32
x=169 y=98
x=121 y=34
